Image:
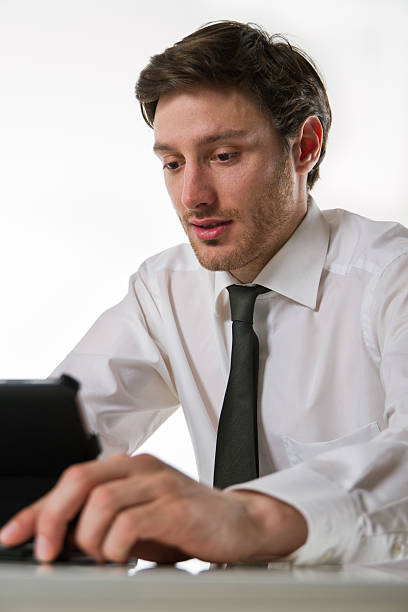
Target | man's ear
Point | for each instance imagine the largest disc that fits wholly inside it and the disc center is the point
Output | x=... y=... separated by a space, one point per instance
x=307 y=145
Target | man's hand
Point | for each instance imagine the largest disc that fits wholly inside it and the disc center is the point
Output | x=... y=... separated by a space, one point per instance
x=139 y=506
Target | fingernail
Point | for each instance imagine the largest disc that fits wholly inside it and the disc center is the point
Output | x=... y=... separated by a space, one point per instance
x=9 y=532
x=43 y=548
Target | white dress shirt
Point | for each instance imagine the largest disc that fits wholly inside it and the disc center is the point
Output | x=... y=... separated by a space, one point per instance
x=333 y=375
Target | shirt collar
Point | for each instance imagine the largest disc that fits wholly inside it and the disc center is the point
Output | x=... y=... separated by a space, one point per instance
x=296 y=268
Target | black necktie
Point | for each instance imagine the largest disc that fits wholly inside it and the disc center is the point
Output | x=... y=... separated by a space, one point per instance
x=236 y=457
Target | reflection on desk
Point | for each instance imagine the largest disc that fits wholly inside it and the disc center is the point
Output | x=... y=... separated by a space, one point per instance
x=281 y=588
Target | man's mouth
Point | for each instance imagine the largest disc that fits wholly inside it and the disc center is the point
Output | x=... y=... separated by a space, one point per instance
x=212 y=224
x=209 y=229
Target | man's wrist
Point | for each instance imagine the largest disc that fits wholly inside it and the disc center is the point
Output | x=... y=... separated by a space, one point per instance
x=283 y=529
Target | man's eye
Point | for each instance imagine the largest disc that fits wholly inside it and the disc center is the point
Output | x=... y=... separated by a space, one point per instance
x=224 y=157
x=171 y=165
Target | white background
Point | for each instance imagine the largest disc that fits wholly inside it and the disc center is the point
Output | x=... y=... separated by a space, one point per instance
x=82 y=199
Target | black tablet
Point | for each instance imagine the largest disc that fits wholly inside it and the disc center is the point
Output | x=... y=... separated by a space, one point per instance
x=42 y=433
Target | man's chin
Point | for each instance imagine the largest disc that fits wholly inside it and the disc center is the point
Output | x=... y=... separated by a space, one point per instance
x=216 y=258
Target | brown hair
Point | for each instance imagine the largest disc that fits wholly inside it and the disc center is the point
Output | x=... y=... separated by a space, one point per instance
x=281 y=77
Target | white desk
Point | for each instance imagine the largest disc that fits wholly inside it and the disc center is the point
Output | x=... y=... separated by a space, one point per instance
x=63 y=588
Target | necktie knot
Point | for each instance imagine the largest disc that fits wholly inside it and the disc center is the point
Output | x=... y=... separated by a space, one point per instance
x=242 y=301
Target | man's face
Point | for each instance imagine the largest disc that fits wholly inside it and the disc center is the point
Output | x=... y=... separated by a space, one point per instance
x=230 y=182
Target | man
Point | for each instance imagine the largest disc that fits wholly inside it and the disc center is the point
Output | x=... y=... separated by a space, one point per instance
x=240 y=123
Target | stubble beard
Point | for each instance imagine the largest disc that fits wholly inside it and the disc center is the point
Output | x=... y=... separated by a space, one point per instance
x=262 y=236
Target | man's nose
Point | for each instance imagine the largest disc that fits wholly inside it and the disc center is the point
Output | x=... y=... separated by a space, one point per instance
x=197 y=188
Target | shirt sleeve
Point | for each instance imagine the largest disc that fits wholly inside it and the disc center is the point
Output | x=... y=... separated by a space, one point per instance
x=355 y=498
x=127 y=387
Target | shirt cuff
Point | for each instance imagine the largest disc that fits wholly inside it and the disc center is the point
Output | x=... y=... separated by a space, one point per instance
x=330 y=513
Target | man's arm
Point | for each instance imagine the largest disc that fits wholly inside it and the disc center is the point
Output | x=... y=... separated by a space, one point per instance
x=355 y=498
x=139 y=506
x=127 y=386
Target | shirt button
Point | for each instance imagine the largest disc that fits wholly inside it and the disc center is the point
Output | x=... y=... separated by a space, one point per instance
x=397 y=549
x=327 y=556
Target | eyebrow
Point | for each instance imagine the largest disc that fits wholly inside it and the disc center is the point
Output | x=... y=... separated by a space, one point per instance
x=211 y=138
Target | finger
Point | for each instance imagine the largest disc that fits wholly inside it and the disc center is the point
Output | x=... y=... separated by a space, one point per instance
x=158 y=520
x=104 y=503
x=66 y=499
x=125 y=532
x=21 y=527
x=109 y=499
x=150 y=478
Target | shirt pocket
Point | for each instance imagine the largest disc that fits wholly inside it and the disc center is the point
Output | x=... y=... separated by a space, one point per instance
x=302 y=451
